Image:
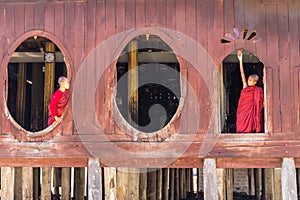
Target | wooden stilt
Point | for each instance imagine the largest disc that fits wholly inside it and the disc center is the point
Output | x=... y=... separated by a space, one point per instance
x=229 y=183
x=200 y=179
x=258 y=183
x=49 y=80
x=56 y=180
x=79 y=182
x=288 y=179
x=46 y=183
x=94 y=180
x=159 y=184
x=143 y=184
x=269 y=184
x=110 y=176
x=221 y=183
x=176 y=186
x=133 y=188
x=18 y=183
x=172 y=184
x=182 y=184
x=36 y=182
x=7 y=183
x=27 y=183
x=127 y=183
x=151 y=184
x=277 y=184
x=210 y=179
x=165 y=186
x=65 y=183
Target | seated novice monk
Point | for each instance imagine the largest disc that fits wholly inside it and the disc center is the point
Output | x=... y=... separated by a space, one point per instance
x=249 y=111
x=59 y=101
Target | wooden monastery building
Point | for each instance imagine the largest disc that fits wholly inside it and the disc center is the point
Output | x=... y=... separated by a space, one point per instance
x=154 y=89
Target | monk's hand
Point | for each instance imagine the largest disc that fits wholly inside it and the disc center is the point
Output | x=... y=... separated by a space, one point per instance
x=57 y=119
x=240 y=54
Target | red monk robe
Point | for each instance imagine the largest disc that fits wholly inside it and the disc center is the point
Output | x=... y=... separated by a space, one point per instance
x=249 y=110
x=57 y=105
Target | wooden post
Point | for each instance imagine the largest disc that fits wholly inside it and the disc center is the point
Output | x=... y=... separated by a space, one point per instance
x=151 y=184
x=172 y=185
x=18 y=183
x=288 y=178
x=56 y=180
x=65 y=183
x=159 y=184
x=133 y=83
x=95 y=180
x=143 y=184
x=182 y=183
x=221 y=183
x=176 y=184
x=79 y=182
x=110 y=184
x=165 y=185
x=229 y=183
x=7 y=183
x=210 y=179
x=49 y=80
x=46 y=183
x=127 y=183
x=258 y=183
x=27 y=183
x=36 y=182
x=199 y=179
x=277 y=184
x=21 y=95
x=269 y=184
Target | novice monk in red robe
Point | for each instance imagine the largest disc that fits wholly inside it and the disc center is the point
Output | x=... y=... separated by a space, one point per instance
x=59 y=101
x=249 y=111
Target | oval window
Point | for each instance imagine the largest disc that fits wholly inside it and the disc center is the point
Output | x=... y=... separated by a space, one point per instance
x=33 y=72
x=148 y=83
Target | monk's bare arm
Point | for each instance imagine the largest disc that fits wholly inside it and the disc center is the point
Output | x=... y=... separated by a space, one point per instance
x=240 y=58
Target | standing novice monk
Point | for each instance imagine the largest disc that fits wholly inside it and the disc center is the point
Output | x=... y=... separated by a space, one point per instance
x=59 y=101
x=249 y=111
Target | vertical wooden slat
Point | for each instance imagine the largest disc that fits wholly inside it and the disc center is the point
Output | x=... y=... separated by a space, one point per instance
x=58 y=20
x=165 y=186
x=221 y=183
x=79 y=182
x=151 y=184
x=161 y=15
x=36 y=182
x=140 y=12
x=159 y=183
x=285 y=73
x=127 y=183
x=7 y=183
x=182 y=184
x=94 y=179
x=143 y=184
x=69 y=28
x=171 y=18
x=288 y=178
x=65 y=183
x=46 y=183
x=258 y=183
x=176 y=184
x=29 y=17
x=277 y=184
x=120 y=17
x=39 y=15
x=229 y=177
x=150 y=13
x=210 y=179
x=18 y=183
x=49 y=17
x=19 y=19
x=21 y=94
x=171 y=184
x=269 y=183
x=27 y=183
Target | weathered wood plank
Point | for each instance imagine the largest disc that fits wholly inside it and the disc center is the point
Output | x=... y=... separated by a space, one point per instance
x=171 y=18
x=18 y=183
x=19 y=20
x=66 y=183
x=39 y=16
x=79 y=182
x=94 y=179
x=46 y=183
x=7 y=183
x=27 y=183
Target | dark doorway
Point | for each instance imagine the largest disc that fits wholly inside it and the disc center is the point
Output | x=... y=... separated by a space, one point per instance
x=233 y=85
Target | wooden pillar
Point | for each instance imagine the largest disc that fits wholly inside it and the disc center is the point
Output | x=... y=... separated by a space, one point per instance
x=143 y=184
x=18 y=183
x=288 y=179
x=49 y=80
x=176 y=184
x=7 y=183
x=199 y=179
x=79 y=183
x=46 y=183
x=27 y=183
x=269 y=184
x=21 y=95
x=110 y=184
x=127 y=183
x=159 y=184
x=182 y=184
x=65 y=183
x=165 y=185
x=133 y=82
x=172 y=184
x=36 y=182
x=221 y=183
x=151 y=185
x=56 y=180
x=94 y=179
x=210 y=179
x=277 y=184
x=258 y=183
x=229 y=183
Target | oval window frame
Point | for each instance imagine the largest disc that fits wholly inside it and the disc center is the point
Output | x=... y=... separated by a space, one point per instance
x=18 y=131
x=168 y=129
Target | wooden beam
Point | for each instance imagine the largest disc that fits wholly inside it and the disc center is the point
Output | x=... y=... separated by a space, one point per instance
x=94 y=179
x=210 y=179
x=7 y=183
x=27 y=183
x=288 y=178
